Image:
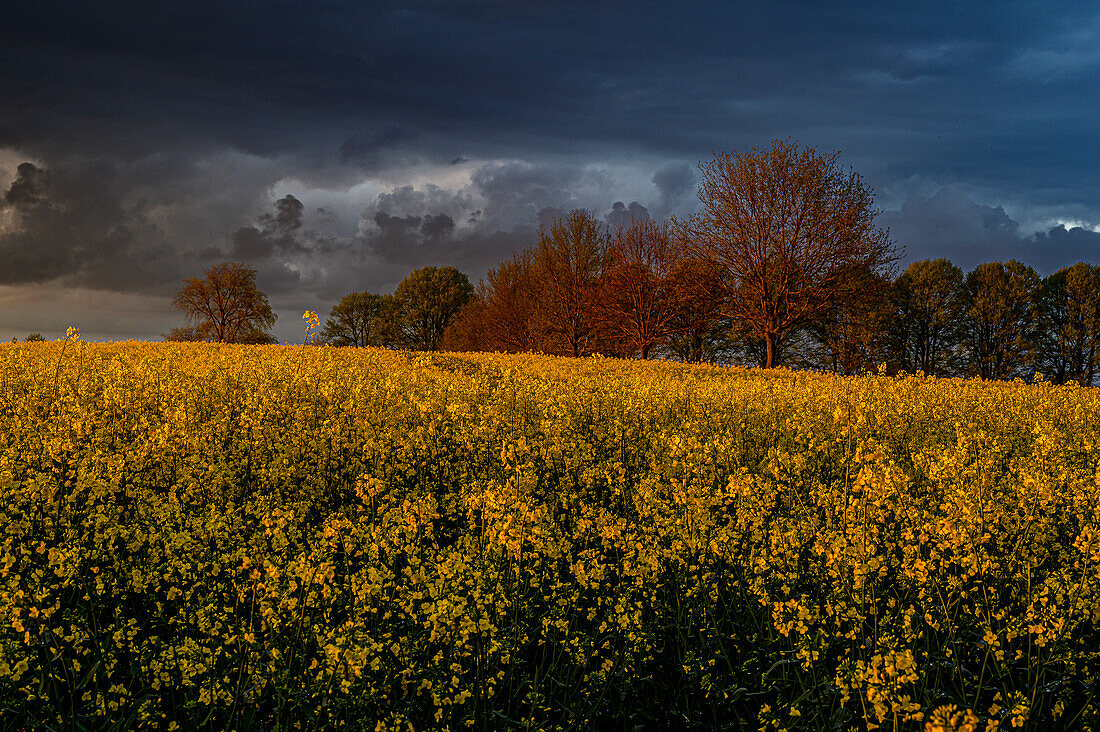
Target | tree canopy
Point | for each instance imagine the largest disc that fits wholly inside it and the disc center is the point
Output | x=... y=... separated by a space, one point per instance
x=1069 y=307
x=429 y=298
x=362 y=319
x=928 y=301
x=638 y=305
x=1000 y=318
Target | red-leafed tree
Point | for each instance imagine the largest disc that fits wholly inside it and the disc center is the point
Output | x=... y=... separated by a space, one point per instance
x=568 y=268
x=501 y=317
x=791 y=234
x=639 y=303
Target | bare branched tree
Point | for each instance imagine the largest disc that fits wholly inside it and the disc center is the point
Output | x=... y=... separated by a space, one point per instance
x=696 y=328
x=224 y=306
x=790 y=233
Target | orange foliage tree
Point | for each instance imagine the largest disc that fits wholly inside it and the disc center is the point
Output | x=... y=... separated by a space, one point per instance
x=790 y=233
x=639 y=305
x=569 y=264
x=501 y=316
x=224 y=306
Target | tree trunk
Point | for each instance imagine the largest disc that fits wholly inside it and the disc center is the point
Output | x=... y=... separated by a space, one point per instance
x=769 y=361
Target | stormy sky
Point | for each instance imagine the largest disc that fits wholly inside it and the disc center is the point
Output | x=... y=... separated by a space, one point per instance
x=335 y=146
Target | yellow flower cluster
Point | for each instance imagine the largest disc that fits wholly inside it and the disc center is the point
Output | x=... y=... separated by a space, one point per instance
x=256 y=537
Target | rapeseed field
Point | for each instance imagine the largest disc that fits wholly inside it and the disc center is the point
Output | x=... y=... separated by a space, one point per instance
x=195 y=536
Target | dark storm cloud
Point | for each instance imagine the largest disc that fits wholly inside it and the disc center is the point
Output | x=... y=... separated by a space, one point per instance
x=548 y=216
x=412 y=240
x=28 y=188
x=1060 y=247
x=287 y=216
x=500 y=211
x=74 y=224
x=437 y=228
x=358 y=80
x=675 y=183
x=248 y=243
x=422 y=201
x=520 y=190
x=407 y=226
x=398 y=239
x=951 y=225
x=278 y=232
x=161 y=134
x=371 y=149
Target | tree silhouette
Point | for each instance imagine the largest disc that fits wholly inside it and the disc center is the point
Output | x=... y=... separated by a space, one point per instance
x=362 y=319
x=851 y=335
x=1069 y=307
x=791 y=234
x=928 y=306
x=1000 y=319
x=224 y=306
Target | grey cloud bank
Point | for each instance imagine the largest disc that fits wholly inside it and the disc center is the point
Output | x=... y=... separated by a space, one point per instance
x=953 y=226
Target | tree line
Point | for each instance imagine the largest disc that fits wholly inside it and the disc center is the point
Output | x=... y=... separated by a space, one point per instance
x=783 y=264
x=999 y=321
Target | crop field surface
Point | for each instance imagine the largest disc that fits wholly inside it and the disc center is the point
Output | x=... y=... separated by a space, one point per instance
x=196 y=536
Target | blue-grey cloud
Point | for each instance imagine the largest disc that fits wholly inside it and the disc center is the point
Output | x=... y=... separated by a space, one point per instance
x=675 y=183
x=950 y=224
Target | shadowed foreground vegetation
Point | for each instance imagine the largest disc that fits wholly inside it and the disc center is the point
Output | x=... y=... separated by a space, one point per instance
x=234 y=537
